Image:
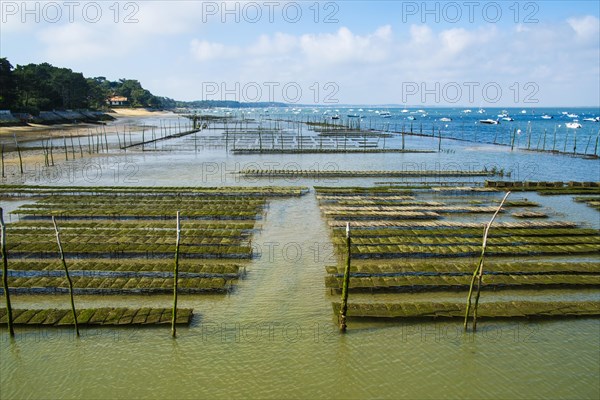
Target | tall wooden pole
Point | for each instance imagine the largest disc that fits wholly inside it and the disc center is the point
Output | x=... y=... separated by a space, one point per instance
x=3 y=160
x=19 y=153
x=64 y=264
x=344 y=308
x=9 y=317
x=478 y=273
x=175 y=276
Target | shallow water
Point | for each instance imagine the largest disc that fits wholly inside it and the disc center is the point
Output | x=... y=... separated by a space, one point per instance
x=275 y=336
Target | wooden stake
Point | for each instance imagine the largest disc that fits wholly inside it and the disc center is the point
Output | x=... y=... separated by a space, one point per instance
x=89 y=143
x=45 y=147
x=9 y=317
x=478 y=273
x=3 y=176
x=175 y=276
x=143 y=136
x=51 y=154
x=72 y=145
x=19 y=153
x=64 y=264
x=344 y=308
x=80 y=148
x=119 y=137
x=587 y=145
x=544 y=145
x=105 y=138
x=65 y=146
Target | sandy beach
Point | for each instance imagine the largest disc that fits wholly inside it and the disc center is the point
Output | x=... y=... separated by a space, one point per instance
x=34 y=132
x=137 y=112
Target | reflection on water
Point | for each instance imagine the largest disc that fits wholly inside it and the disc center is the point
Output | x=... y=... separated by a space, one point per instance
x=276 y=336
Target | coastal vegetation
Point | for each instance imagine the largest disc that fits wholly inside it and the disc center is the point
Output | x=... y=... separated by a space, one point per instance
x=32 y=88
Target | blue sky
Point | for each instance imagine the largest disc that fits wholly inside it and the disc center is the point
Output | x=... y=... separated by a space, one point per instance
x=463 y=53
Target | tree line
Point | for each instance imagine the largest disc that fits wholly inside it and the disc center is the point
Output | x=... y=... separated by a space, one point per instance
x=33 y=88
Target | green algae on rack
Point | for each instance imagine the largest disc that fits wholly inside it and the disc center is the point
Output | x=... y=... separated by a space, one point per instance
x=509 y=309
x=272 y=173
x=98 y=316
x=421 y=283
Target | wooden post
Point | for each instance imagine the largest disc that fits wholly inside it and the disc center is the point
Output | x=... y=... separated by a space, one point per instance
x=105 y=138
x=89 y=142
x=143 y=136
x=80 y=148
x=596 y=146
x=512 y=139
x=3 y=176
x=402 y=140
x=544 y=143
x=9 y=317
x=478 y=273
x=64 y=264
x=65 y=146
x=344 y=307
x=45 y=148
x=72 y=145
x=19 y=153
x=51 y=155
x=118 y=136
x=587 y=145
x=175 y=276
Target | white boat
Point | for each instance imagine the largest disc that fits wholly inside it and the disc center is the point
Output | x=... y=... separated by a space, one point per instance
x=510 y=119
x=385 y=114
x=481 y=111
x=546 y=116
x=445 y=119
x=564 y=112
x=597 y=119
x=523 y=111
x=489 y=121
x=572 y=115
x=421 y=111
x=336 y=116
x=503 y=115
x=404 y=111
x=467 y=111
x=410 y=117
x=573 y=125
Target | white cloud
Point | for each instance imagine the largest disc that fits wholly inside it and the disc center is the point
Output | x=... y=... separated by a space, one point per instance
x=587 y=27
x=344 y=46
x=204 y=50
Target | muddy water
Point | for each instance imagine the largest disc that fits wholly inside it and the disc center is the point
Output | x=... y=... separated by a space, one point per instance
x=275 y=336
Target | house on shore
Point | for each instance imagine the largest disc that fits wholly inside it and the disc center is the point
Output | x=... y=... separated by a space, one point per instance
x=116 y=101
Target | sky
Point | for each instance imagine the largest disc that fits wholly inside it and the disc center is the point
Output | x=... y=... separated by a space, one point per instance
x=429 y=53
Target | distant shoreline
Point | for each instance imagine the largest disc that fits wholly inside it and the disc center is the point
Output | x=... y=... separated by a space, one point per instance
x=33 y=132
